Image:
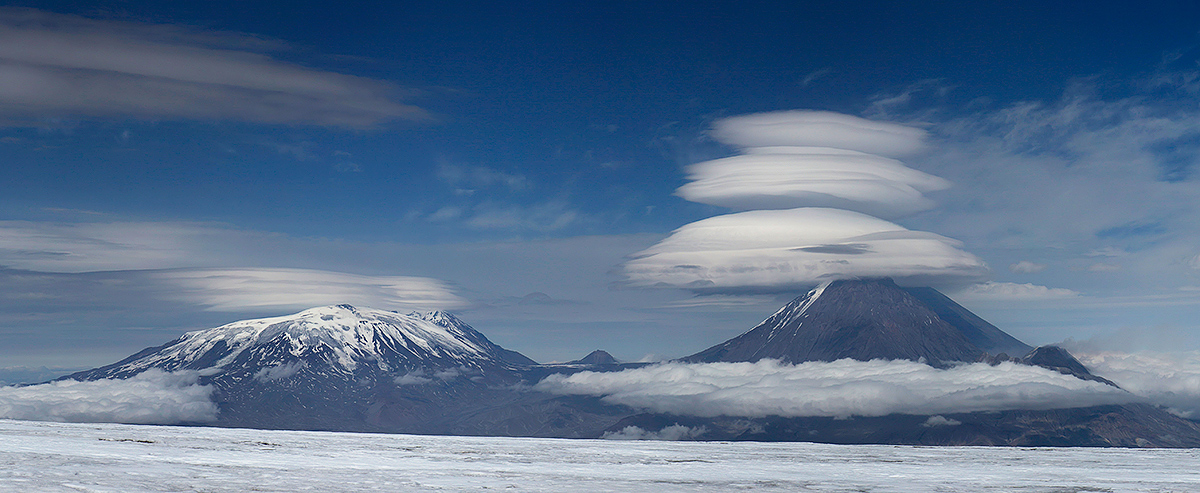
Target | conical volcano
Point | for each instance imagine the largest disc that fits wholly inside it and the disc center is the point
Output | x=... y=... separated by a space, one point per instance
x=864 y=320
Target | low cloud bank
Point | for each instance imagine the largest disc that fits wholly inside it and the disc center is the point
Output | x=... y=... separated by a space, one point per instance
x=841 y=388
x=672 y=433
x=152 y=397
x=1168 y=379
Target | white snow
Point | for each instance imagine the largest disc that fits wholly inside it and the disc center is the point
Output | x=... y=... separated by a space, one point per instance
x=351 y=334
x=54 y=457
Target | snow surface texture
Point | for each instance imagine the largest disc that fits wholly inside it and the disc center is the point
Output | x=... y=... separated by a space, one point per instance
x=53 y=457
x=840 y=388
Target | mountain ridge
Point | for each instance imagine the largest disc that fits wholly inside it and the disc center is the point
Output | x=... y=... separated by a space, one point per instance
x=358 y=369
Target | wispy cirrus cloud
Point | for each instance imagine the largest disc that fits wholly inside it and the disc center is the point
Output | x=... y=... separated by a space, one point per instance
x=56 y=65
x=1102 y=187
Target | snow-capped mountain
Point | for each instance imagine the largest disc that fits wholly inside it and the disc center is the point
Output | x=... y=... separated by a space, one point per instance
x=339 y=339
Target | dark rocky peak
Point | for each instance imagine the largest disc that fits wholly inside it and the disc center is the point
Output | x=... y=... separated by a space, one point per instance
x=1060 y=360
x=597 y=357
x=1049 y=357
x=977 y=330
x=860 y=319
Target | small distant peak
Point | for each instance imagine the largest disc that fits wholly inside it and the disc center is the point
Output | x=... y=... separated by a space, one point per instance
x=346 y=306
x=597 y=357
x=1060 y=360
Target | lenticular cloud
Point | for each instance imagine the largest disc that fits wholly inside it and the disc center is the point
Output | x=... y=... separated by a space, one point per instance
x=813 y=186
x=819 y=129
x=789 y=249
x=788 y=177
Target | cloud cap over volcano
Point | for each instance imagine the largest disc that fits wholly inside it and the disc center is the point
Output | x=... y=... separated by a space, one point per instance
x=782 y=250
x=788 y=177
x=819 y=129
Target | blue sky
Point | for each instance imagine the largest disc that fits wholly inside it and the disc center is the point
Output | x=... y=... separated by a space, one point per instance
x=173 y=167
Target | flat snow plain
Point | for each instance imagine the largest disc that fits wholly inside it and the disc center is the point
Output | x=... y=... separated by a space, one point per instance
x=38 y=456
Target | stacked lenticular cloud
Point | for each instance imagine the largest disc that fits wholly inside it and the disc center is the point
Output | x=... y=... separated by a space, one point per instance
x=813 y=186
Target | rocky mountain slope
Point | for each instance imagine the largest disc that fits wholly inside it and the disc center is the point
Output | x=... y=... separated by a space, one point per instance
x=864 y=320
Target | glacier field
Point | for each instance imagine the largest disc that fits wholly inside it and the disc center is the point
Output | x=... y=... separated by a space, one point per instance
x=42 y=456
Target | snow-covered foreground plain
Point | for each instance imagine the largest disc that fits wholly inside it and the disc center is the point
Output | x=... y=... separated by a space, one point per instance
x=37 y=456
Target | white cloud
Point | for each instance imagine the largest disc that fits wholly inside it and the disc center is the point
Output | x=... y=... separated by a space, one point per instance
x=940 y=420
x=1170 y=379
x=54 y=65
x=672 y=433
x=480 y=177
x=280 y=372
x=782 y=250
x=1099 y=184
x=151 y=397
x=841 y=388
x=823 y=174
x=1009 y=291
x=549 y=216
x=789 y=177
x=818 y=129
x=82 y=247
x=240 y=289
x=446 y=214
x=1109 y=251
x=182 y=261
x=1027 y=267
x=1104 y=267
